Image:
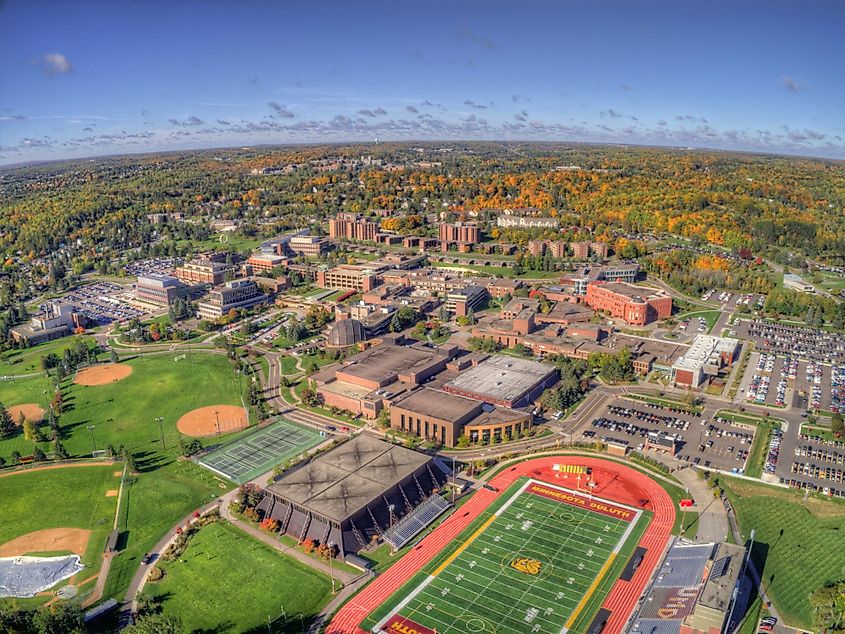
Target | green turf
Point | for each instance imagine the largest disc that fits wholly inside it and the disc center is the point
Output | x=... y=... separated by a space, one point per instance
x=799 y=548
x=479 y=590
x=153 y=503
x=70 y=497
x=124 y=412
x=288 y=365
x=210 y=594
x=28 y=361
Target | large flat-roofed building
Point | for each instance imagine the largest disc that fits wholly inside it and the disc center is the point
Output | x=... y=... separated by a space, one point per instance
x=203 y=271
x=444 y=418
x=159 y=289
x=235 y=295
x=503 y=380
x=352 y=494
x=636 y=305
x=461 y=301
x=265 y=262
x=705 y=357
x=56 y=320
x=347 y=277
x=369 y=380
x=309 y=246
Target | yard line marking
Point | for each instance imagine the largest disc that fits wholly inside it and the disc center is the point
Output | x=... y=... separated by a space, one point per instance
x=463 y=546
x=588 y=593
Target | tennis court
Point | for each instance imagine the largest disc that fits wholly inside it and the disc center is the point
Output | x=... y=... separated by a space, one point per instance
x=540 y=564
x=250 y=456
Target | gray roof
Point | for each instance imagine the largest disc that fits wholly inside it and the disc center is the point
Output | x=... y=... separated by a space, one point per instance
x=501 y=377
x=341 y=482
x=346 y=332
x=440 y=405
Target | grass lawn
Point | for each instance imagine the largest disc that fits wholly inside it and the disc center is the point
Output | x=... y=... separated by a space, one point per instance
x=124 y=412
x=288 y=365
x=16 y=362
x=666 y=401
x=212 y=595
x=233 y=242
x=75 y=497
x=798 y=549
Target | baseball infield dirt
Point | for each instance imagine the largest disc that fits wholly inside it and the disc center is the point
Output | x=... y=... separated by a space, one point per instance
x=103 y=374
x=74 y=540
x=212 y=420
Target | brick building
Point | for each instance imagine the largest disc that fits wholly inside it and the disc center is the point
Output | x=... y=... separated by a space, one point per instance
x=636 y=305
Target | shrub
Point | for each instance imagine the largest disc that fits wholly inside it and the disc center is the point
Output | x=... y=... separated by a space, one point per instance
x=251 y=514
x=155 y=574
x=270 y=525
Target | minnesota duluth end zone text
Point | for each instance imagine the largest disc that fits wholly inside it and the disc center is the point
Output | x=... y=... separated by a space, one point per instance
x=576 y=500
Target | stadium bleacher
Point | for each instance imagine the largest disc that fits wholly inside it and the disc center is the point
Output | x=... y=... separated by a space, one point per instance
x=414 y=522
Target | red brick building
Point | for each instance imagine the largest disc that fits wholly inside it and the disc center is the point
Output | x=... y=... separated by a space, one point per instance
x=636 y=305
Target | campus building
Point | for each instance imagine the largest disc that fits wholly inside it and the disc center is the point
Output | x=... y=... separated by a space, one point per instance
x=583 y=250
x=443 y=417
x=236 y=295
x=309 y=246
x=504 y=381
x=707 y=356
x=372 y=379
x=203 y=271
x=347 y=277
x=464 y=234
x=353 y=494
x=265 y=262
x=159 y=289
x=636 y=305
x=56 y=320
x=348 y=226
x=461 y=300
x=626 y=272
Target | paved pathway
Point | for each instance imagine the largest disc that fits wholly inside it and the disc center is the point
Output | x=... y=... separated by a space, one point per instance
x=712 y=516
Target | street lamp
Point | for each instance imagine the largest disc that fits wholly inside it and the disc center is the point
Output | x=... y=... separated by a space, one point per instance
x=93 y=442
x=160 y=420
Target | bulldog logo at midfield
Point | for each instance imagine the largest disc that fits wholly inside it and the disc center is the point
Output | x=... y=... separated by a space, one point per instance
x=526 y=565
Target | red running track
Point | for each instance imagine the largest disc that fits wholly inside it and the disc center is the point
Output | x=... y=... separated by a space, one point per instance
x=614 y=481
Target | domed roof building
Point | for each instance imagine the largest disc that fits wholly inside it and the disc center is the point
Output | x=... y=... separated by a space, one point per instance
x=346 y=332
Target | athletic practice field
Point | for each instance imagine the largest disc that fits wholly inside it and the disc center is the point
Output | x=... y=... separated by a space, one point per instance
x=542 y=562
x=262 y=450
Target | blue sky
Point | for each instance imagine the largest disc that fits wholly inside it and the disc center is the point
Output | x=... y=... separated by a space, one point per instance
x=89 y=78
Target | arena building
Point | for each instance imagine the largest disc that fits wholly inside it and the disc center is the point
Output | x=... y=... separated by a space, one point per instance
x=353 y=494
x=505 y=381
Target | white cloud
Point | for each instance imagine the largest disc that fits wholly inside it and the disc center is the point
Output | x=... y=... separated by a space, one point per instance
x=55 y=64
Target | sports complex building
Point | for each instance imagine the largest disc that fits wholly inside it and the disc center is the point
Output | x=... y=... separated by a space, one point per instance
x=362 y=489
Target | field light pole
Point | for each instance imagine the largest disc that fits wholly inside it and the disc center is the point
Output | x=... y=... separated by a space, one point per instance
x=160 y=420
x=93 y=442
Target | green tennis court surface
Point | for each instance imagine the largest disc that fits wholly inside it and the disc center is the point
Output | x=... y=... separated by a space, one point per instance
x=260 y=451
x=531 y=567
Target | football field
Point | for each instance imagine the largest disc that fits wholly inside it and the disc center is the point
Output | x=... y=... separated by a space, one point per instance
x=536 y=565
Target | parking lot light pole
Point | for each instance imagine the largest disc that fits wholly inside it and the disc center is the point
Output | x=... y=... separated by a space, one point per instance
x=160 y=420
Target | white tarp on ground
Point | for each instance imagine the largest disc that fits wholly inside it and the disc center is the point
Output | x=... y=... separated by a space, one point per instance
x=27 y=576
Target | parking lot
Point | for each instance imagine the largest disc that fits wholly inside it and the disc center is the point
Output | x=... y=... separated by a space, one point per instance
x=809 y=344
x=153 y=266
x=732 y=299
x=784 y=381
x=103 y=302
x=818 y=465
x=716 y=444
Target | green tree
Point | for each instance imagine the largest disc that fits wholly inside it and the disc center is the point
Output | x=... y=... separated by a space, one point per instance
x=59 y=451
x=836 y=425
x=7 y=425
x=156 y=624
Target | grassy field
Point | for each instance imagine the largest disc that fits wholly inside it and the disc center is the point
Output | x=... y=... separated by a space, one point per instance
x=70 y=497
x=212 y=595
x=798 y=549
x=28 y=361
x=124 y=412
